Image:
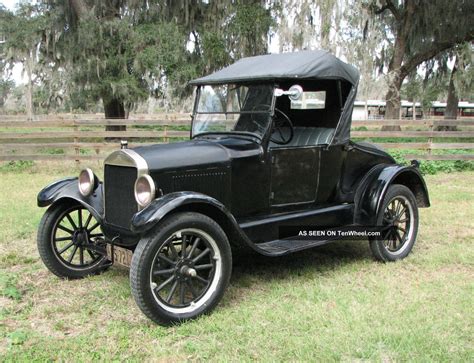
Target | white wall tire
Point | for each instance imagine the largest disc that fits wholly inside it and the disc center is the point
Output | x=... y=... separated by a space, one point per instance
x=181 y=269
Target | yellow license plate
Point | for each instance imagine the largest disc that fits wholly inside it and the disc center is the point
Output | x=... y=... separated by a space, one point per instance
x=119 y=255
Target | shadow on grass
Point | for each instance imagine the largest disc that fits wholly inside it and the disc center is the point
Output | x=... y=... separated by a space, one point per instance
x=322 y=259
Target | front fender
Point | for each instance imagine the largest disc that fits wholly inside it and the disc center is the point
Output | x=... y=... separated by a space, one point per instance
x=148 y=217
x=373 y=188
x=67 y=189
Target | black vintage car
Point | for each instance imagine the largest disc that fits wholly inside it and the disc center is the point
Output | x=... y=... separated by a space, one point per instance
x=269 y=148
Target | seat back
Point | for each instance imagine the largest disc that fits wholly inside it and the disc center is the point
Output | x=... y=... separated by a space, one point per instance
x=309 y=136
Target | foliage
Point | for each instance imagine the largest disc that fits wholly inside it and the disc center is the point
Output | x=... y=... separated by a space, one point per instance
x=432 y=167
x=18 y=165
x=6 y=86
x=415 y=32
x=425 y=91
x=122 y=52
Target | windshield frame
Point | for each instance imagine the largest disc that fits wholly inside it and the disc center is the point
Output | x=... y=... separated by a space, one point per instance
x=241 y=134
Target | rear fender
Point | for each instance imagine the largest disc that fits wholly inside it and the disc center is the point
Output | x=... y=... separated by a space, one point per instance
x=67 y=189
x=373 y=188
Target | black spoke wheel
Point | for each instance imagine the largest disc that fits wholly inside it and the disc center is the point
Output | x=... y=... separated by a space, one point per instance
x=399 y=219
x=67 y=241
x=184 y=268
x=180 y=270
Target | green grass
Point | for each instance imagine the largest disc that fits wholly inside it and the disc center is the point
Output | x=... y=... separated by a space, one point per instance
x=331 y=303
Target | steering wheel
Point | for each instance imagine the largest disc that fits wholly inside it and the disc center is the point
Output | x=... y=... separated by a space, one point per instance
x=279 y=123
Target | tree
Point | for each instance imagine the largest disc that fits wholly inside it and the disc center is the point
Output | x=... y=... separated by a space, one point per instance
x=416 y=32
x=120 y=52
x=6 y=85
x=460 y=81
x=24 y=32
x=306 y=24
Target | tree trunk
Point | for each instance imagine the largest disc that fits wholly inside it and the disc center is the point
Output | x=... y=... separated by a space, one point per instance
x=451 y=111
x=392 y=102
x=396 y=76
x=114 y=109
x=29 y=87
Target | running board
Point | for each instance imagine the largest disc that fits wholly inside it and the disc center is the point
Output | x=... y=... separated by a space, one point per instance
x=282 y=247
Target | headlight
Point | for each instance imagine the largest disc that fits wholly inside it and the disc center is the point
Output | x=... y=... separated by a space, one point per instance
x=86 y=182
x=144 y=190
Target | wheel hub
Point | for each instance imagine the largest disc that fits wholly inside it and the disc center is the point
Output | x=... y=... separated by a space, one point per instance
x=188 y=271
x=80 y=237
x=185 y=268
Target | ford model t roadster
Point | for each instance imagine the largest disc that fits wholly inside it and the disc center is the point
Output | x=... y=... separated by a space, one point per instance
x=269 y=147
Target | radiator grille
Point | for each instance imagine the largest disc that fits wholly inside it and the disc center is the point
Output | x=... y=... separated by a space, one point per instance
x=120 y=204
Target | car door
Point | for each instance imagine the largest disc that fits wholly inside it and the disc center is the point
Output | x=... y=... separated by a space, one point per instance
x=294 y=175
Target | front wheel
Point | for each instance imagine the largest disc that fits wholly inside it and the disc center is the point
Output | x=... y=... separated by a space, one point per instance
x=181 y=269
x=67 y=241
x=399 y=219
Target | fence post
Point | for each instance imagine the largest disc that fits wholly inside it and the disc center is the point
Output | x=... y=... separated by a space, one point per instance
x=77 y=151
x=430 y=139
x=166 y=134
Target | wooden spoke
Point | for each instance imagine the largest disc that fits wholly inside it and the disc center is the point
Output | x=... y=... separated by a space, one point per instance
x=203 y=267
x=65 y=248
x=71 y=221
x=61 y=239
x=173 y=289
x=199 y=278
x=65 y=229
x=163 y=272
x=91 y=254
x=193 y=248
x=173 y=250
x=401 y=212
x=88 y=220
x=163 y=285
x=93 y=227
x=397 y=235
x=183 y=246
x=201 y=255
x=71 y=256
x=166 y=259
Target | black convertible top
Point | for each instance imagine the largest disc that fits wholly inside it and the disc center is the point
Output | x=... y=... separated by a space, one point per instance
x=308 y=64
x=304 y=65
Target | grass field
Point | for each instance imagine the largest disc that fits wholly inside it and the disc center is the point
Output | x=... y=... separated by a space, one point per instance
x=332 y=303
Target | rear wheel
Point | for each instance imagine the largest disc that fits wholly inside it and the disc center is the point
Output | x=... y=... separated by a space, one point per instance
x=181 y=269
x=67 y=241
x=399 y=217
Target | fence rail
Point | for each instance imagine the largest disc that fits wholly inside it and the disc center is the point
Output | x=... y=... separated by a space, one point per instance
x=83 y=137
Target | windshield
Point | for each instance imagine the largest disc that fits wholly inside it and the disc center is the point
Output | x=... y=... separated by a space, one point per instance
x=233 y=109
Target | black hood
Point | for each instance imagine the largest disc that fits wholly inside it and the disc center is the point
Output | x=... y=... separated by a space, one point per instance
x=193 y=153
x=196 y=153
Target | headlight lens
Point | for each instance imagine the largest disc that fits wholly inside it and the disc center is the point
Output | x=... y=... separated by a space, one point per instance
x=86 y=182
x=144 y=190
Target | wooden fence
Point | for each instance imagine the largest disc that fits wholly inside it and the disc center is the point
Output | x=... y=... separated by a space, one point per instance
x=83 y=137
